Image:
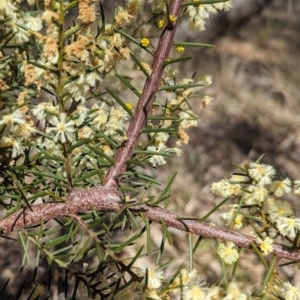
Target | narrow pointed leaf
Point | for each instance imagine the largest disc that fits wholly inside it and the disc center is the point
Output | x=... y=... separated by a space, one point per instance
x=129 y=85
x=71 y=31
x=179 y=86
x=70 y=6
x=114 y=95
x=185 y=44
x=135 y=41
x=196 y=3
x=142 y=68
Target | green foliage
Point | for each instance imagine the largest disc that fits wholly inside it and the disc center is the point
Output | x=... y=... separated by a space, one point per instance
x=79 y=101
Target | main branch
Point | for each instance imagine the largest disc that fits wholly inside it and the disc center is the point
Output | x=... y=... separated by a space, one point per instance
x=108 y=199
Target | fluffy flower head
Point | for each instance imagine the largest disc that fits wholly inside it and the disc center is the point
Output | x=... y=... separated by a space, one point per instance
x=261 y=173
x=288 y=226
x=228 y=252
x=225 y=189
x=63 y=129
x=265 y=245
x=290 y=292
x=279 y=187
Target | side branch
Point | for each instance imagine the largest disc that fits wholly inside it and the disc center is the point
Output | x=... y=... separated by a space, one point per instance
x=98 y=198
x=109 y=199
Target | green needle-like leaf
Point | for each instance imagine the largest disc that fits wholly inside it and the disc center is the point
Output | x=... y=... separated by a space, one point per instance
x=135 y=41
x=179 y=86
x=129 y=85
x=177 y=60
x=197 y=3
x=197 y=45
x=114 y=95
x=71 y=31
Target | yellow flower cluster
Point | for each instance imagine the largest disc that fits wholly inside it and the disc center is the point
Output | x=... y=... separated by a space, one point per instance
x=145 y=42
x=257 y=187
x=199 y=13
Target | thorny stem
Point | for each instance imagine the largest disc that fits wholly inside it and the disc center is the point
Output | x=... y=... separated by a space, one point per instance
x=148 y=95
x=107 y=198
